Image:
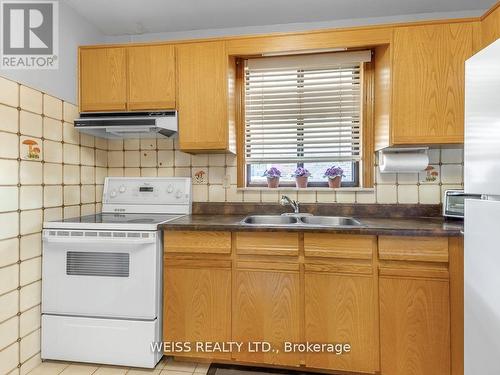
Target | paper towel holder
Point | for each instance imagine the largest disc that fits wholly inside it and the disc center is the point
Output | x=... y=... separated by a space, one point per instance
x=401 y=150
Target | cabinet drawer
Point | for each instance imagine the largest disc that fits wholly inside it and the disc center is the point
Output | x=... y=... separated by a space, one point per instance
x=267 y=243
x=339 y=245
x=197 y=242
x=424 y=249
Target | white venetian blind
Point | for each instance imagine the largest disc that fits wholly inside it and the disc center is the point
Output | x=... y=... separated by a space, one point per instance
x=303 y=108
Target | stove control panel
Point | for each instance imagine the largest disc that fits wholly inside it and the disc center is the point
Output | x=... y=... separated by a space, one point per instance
x=160 y=192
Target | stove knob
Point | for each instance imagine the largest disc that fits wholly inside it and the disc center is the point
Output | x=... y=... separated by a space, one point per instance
x=170 y=189
x=122 y=189
x=178 y=194
x=113 y=193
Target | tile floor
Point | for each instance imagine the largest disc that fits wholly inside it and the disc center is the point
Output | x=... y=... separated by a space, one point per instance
x=167 y=366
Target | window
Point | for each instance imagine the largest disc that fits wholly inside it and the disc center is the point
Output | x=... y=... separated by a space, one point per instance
x=304 y=111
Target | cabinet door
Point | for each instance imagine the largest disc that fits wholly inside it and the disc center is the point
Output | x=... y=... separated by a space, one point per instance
x=103 y=79
x=341 y=309
x=197 y=306
x=414 y=326
x=202 y=96
x=151 y=72
x=266 y=308
x=428 y=83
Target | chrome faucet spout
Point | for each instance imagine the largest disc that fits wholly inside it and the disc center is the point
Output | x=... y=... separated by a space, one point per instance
x=287 y=201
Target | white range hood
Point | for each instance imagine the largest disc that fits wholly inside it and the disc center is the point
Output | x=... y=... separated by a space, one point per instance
x=116 y=125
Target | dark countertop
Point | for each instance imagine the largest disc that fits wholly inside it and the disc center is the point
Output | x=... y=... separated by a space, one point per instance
x=434 y=226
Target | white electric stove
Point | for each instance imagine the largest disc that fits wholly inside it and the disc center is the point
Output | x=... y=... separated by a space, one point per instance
x=102 y=274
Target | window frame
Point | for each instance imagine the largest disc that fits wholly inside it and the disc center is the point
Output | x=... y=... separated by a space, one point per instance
x=364 y=167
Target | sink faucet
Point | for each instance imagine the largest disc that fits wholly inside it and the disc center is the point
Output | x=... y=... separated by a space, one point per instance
x=286 y=200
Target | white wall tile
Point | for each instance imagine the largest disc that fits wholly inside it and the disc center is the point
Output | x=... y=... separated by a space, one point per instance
x=71 y=174
x=30 y=271
x=165 y=172
x=9 y=278
x=30 y=124
x=88 y=194
x=9 y=92
x=115 y=159
x=452 y=155
x=30 y=99
x=52 y=173
x=9 y=118
x=235 y=195
x=325 y=196
x=31 y=173
x=115 y=144
x=451 y=173
x=9 y=305
x=149 y=172
x=31 y=221
x=31 y=197
x=52 y=129
x=407 y=194
x=30 y=345
x=53 y=196
x=52 y=107
x=9 y=252
x=9 y=175
x=346 y=197
x=200 y=193
x=216 y=160
x=429 y=194
x=305 y=196
x=216 y=175
x=9 y=198
x=71 y=154
x=71 y=211
x=70 y=134
x=148 y=159
x=251 y=196
x=131 y=144
x=31 y=246
x=71 y=195
x=199 y=160
x=52 y=151
x=70 y=112
x=9 y=331
x=216 y=193
x=87 y=140
x=182 y=159
x=9 y=225
x=87 y=175
x=9 y=357
x=88 y=157
x=29 y=321
x=165 y=158
x=132 y=159
x=9 y=145
x=366 y=197
x=386 y=194
x=148 y=144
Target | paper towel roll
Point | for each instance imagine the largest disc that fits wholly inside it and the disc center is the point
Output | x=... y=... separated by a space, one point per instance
x=403 y=162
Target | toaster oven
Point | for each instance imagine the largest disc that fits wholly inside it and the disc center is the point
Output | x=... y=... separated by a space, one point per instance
x=453 y=202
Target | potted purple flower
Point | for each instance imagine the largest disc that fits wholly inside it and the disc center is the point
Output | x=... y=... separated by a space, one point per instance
x=301 y=176
x=273 y=175
x=334 y=175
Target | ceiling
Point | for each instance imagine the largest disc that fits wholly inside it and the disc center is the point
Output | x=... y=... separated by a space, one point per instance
x=132 y=17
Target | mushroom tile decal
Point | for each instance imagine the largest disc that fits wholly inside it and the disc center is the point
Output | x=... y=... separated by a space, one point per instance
x=31 y=148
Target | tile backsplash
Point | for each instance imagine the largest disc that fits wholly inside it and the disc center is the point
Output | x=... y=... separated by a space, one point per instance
x=47 y=171
x=214 y=176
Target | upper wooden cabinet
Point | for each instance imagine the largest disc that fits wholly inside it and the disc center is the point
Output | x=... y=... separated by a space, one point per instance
x=127 y=78
x=205 y=77
x=103 y=79
x=490 y=26
x=151 y=77
x=419 y=88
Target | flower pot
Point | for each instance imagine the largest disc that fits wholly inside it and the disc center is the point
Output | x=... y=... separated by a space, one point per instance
x=334 y=182
x=301 y=182
x=273 y=182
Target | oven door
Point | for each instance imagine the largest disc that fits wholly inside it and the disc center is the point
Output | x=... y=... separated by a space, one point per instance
x=101 y=273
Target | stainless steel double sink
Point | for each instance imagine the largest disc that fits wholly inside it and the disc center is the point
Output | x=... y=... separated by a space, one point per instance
x=300 y=220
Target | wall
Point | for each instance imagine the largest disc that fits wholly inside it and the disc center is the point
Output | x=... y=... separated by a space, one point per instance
x=63 y=178
x=74 y=30
x=290 y=27
x=163 y=158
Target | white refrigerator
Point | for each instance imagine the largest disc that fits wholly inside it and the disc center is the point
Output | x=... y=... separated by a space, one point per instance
x=482 y=217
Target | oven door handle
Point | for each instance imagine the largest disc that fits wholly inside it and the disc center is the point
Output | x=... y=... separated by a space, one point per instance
x=99 y=240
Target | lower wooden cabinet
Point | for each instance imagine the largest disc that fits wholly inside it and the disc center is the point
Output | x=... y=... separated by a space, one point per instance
x=342 y=309
x=414 y=326
x=266 y=307
x=197 y=304
x=414 y=297
x=394 y=300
